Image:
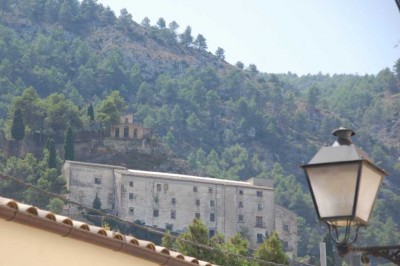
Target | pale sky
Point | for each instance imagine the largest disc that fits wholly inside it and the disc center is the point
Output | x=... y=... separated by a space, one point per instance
x=300 y=36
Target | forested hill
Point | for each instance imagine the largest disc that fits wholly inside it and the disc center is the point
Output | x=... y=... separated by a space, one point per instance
x=58 y=57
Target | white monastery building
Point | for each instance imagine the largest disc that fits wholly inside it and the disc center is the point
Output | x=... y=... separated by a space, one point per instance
x=172 y=201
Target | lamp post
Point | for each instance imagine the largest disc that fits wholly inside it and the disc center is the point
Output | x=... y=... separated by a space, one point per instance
x=344 y=184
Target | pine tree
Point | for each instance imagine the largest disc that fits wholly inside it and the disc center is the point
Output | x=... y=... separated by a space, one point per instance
x=186 y=37
x=69 y=150
x=18 y=128
x=220 y=53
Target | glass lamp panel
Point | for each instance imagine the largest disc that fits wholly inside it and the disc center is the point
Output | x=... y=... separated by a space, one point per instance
x=334 y=188
x=370 y=183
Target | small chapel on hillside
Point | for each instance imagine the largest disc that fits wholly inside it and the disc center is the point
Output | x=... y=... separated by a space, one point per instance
x=128 y=130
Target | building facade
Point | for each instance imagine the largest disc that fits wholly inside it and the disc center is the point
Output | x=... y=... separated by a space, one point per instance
x=128 y=130
x=172 y=201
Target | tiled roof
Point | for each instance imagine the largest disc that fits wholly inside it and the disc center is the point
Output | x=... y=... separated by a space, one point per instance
x=12 y=210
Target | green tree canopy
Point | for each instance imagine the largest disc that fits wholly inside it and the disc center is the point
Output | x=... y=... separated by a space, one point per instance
x=271 y=250
x=220 y=53
x=110 y=109
x=200 y=42
x=186 y=37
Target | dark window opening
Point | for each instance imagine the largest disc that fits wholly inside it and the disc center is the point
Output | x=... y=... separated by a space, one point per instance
x=126 y=132
x=260 y=238
x=212 y=217
x=135 y=134
x=286 y=227
x=117 y=132
x=211 y=232
x=97 y=180
x=155 y=213
x=259 y=221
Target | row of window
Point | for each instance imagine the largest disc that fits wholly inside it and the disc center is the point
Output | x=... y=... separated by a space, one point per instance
x=156 y=213
x=259 y=219
x=195 y=188
x=212 y=202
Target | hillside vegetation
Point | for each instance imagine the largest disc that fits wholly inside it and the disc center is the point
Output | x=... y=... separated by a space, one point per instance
x=232 y=122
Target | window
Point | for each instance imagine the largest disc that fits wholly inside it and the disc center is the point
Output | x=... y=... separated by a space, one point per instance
x=212 y=217
x=197 y=202
x=158 y=187
x=240 y=218
x=259 y=221
x=97 y=180
x=117 y=132
x=130 y=195
x=126 y=132
x=212 y=203
x=156 y=200
x=131 y=210
x=173 y=214
x=240 y=204
x=211 y=232
x=259 y=194
x=135 y=133
x=260 y=238
x=286 y=227
x=240 y=192
x=173 y=201
x=259 y=206
x=155 y=213
x=286 y=245
x=194 y=189
x=197 y=215
x=210 y=190
x=165 y=186
x=131 y=183
x=126 y=120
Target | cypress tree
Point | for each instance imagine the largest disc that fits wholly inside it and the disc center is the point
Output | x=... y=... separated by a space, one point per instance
x=18 y=128
x=52 y=160
x=69 y=150
x=96 y=203
x=90 y=112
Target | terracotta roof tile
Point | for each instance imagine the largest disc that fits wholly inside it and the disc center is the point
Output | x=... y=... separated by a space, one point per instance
x=13 y=210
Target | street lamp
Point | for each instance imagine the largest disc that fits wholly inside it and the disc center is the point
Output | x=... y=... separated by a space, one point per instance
x=344 y=184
